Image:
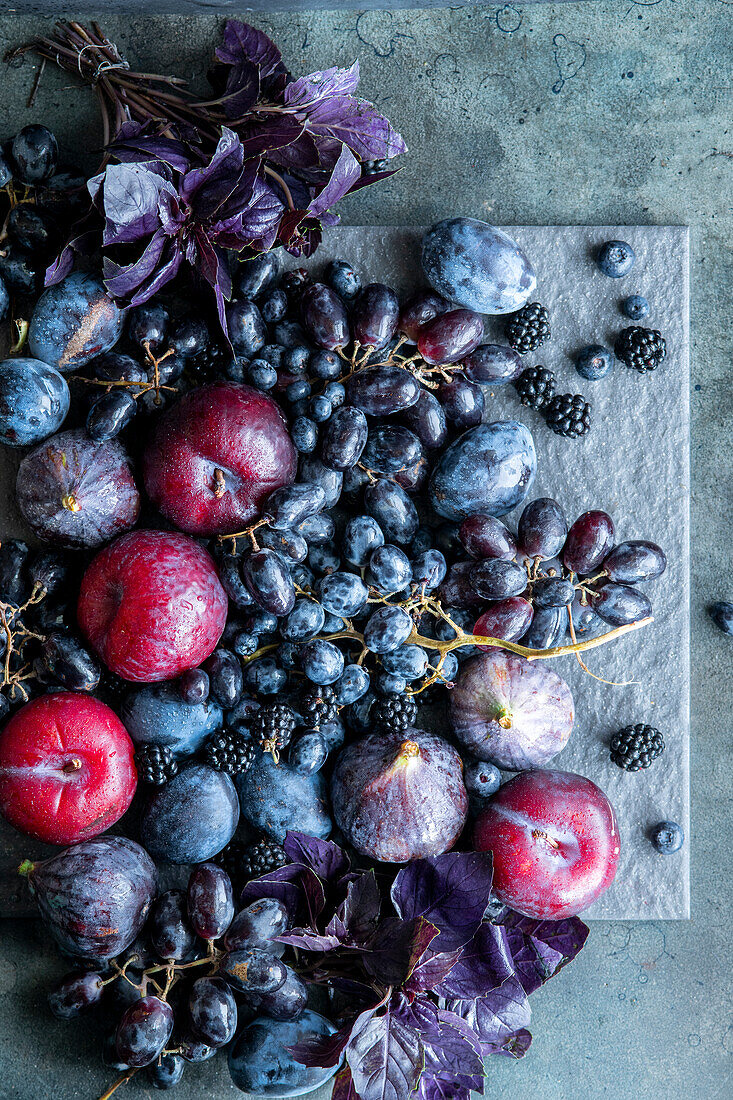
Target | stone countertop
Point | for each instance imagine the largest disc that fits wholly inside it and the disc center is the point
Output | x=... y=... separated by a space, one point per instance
x=606 y=113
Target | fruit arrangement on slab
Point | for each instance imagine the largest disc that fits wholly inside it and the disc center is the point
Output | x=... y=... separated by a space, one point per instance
x=293 y=589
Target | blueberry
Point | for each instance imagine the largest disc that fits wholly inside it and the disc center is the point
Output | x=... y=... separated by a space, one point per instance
x=667 y=837
x=342 y=278
x=594 y=362
x=319 y=409
x=481 y=778
x=722 y=615
x=635 y=307
x=325 y=365
x=296 y=359
x=322 y=662
x=616 y=259
x=261 y=375
x=245 y=644
x=298 y=390
x=274 y=306
x=336 y=394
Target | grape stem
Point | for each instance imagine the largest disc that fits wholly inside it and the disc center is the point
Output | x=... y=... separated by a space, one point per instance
x=120 y=1081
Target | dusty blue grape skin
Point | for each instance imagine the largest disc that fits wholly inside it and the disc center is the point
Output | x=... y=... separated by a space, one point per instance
x=192 y=817
x=493 y=363
x=73 y=322
x=276 y=799
x=488 y=470
x=34 y=401
x=477 y=266
x=156 y=715
x=260 y=1063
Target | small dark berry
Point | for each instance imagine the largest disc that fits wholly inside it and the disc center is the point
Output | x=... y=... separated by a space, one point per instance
x=635 y=747
x=155 y=764
x=528 y=328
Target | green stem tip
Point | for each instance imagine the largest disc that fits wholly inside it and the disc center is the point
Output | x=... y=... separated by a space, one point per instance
x=26 y=867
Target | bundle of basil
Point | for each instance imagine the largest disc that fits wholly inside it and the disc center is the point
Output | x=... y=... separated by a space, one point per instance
x=186 y=180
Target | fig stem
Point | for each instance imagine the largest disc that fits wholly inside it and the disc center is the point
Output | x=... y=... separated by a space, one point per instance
x=505 y=719
x=26 y=867
x=70 y=503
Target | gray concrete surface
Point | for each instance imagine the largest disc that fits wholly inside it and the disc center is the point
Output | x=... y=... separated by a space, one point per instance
x=614 y=112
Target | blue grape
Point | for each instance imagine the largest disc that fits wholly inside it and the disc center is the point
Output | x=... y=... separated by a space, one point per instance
x=274 y=306
x=542 y=530
x=344 y=438
x=336 y=394
x=256 y=275
x=343 y=594
x=252 y=971
x=143 y=1031
x=546 y=629
x=352 y=684
x=332 y=623
x=634 y=561
x=387 y=628
x=109 y=414
x=331 y=481
x=317 y=530
x=374 y=315
x=619 y=604
x=244 y=644
x=290 y=505
x=381 y=391
x=493 y=364
x=258 y=925
x=393 y=510
x=167 y=1071
x=319 y=409
x=324 y=316
x=35 y=151
x=429 y=570
x=212 y=1011
x=171 y=934
x=343 y=279
x=308 y=753
x=322 y=662
x=391 y=448
x=462 y=402
x=261 y=622
x=323 y=559
x=289 y=545
x=225 y=677
x=210 y=901
x=295 y=359
x=389 y=569
x=362 y=535
x=389 y=683
x=269 y=581
x=409 y=661
x=247 y=331
x=265 y=676
x=496 y=579
x=304 y=621
x=286 y=1003
x=552 y=592
x=427 y=419
x=75 y=993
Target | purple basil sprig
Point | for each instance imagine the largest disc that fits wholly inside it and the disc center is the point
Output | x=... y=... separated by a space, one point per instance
x=187 y=181
x=425 y=984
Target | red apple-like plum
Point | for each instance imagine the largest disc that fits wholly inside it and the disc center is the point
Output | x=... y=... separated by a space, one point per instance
x=66 y=768
x=400 y=795
x=554 y=840
x=510 y=711
x=152 y=605
x=215 y=456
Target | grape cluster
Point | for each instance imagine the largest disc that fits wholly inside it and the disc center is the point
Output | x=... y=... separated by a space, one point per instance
x=198 y=968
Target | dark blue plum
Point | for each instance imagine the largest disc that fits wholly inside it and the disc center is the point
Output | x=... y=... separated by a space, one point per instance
x=276 y=799
x=344 y=438
x=308 y=753
x=352 y=684
x=615 y=259
x=619 y=604
x=257 y=926
x=343 y=594
x=95 y=897
x=426 y=418
x=322 y=662
x=428 y=570
x=192 y=817
x=389 y=569
x=34 y=401
x=268 y=579
x=494 y=364
x=362 y=535
x=73 y=322
x=259 y=1061
x=393 y=510
x=247 y=330
x=290 y=505
x=488 y=470
x=331 y=481
x=157 y=715
x=381 y=391
x=212 y=1011
x=593 y=362
x=304 y=621
x=477 y=266
x=166 y=1072
x=388 y=627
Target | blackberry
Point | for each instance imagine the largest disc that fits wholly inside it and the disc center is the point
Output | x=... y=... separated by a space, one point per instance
x=635 y=747
x=260 y=858
x=230 y=752
x=155 y=764
x=394 y=712
x=568 y=414
x=272 y=726
x=642 y=349
x=536 y=387
x=528 y=328
x=318 y=706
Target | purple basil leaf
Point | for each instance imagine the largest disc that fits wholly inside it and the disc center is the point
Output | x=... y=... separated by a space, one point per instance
x=455 y=1052
x=171 y=213
x=132 y=143
x=345 y=173
x=322 y=1050
x=397 y=947
x=343 y=1086
x=309 y=90
x=385 y=1057
x=262 y=136
x=366 y=181
x=301 y=155
x=451 y=891
x=358 y=915
x=208 y=187
x=435 y=1088
x=484 y=964
x=256 y=66
x=130 y=194
x=516 y=1046
x=123 y=281
x=296 y=886
x=355 y=123
x=255 y=225
x=420 y=1013
x=84 y=244
x=431 y=969
x=496 y=1016
x=323 y=856
x=167 y=270
x=541 y=948
x=310 y=941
